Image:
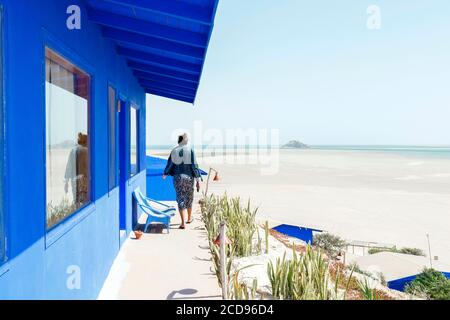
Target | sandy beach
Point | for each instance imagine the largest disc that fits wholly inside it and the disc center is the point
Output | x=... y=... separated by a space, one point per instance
x=367 y=196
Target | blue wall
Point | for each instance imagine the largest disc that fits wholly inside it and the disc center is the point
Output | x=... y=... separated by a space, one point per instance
x=157 y=188
x=38 y=261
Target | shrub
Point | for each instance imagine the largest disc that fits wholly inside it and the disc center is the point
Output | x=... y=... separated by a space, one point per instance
x=330 y=244
x=412 y=251
x=430 y=284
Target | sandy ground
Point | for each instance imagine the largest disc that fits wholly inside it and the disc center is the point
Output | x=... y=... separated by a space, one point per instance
x=366 y=196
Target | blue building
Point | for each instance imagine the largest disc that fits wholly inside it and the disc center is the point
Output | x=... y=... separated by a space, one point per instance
x=74 y=75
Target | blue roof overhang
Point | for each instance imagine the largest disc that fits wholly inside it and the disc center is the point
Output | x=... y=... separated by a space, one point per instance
x=164 y=41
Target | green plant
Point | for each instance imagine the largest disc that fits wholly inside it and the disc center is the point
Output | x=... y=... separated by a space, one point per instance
x=412 y=251
x=382 y=278
x=215 y=254
x=259 y=244
x=241 y=227
x=349 y=281
x=240 y=220
x=239 y=290
x=305 y=277
x=266 y=231
x=352 y=287
x=430 y=284
x=367 y=291
x=332 y=245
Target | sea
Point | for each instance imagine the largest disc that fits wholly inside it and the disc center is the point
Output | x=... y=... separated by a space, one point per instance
x=412 y=151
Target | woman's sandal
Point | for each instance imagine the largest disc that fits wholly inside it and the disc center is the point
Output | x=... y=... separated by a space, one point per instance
x=190 y=221
x=182 y=228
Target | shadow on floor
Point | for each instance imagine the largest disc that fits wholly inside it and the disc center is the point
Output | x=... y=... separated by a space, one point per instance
x=187 y=294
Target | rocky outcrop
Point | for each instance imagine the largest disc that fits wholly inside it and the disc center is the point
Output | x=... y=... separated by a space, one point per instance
x=295 y=144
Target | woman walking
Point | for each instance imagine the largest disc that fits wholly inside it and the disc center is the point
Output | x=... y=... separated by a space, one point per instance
x=182 y=166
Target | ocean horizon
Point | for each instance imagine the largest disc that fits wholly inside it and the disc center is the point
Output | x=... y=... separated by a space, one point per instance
x=413 y=150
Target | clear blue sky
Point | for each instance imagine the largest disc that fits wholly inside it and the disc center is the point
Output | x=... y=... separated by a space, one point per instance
x=313 y=70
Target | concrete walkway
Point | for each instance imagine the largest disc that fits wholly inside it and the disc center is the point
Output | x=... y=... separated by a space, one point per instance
x=164 y=266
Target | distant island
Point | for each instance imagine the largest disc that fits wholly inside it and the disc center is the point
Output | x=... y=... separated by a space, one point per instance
x=295 y=144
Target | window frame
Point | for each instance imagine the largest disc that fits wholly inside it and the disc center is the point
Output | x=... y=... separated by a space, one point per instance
x=134 y=106
x=115 y=184
x=73 y=59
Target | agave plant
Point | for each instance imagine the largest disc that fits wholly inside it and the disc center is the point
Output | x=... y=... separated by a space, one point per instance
x=239 y=290
x=241 y=228
x=240 y=220
x=304 y=277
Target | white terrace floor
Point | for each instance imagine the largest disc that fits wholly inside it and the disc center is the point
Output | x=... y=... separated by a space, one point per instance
x=164 y=266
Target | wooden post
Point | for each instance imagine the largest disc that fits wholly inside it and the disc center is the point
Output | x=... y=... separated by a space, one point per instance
x=429 y=251
x=223 y=260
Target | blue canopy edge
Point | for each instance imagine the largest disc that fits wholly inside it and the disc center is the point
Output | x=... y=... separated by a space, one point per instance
x=302 y=233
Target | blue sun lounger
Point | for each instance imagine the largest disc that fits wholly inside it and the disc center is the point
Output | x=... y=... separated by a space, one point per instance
x=154 y=215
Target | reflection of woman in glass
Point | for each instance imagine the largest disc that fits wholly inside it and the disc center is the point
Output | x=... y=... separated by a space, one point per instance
x=77 y=171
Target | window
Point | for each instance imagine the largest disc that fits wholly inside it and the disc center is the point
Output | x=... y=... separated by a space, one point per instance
x=2 y=218
x=68 y=160
x=134 y=146
x=112 y=114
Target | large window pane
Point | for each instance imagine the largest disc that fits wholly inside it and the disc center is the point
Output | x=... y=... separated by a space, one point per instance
x=112 y=110
x=68 y=154
x=134 y=165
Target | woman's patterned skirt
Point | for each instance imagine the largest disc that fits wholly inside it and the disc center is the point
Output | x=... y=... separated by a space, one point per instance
x=184 y=187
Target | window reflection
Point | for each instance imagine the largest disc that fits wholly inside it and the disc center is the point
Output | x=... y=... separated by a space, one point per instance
x=2 y=221
x=112 y=138
x=68 y=156
x=134 y=167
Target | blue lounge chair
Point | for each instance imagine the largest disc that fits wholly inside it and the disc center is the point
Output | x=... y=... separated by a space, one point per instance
x=161 y=216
